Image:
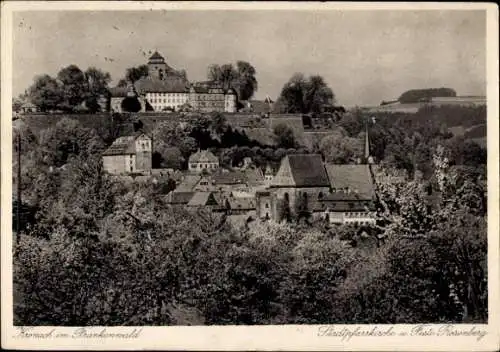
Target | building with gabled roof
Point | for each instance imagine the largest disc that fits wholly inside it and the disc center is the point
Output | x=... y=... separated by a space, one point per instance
x=128 y=154
x=299 y=180
x=355 y=179
x=167 y=89
x=203 y=160
x=301 y=170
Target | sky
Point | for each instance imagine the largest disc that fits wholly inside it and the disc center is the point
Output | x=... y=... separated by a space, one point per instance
x=364 y=56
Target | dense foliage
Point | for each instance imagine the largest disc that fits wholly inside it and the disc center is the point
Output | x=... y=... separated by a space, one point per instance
x=138 y=261
x=419 y=95
x=305 y=95
x=69 y=90
x=240 y=77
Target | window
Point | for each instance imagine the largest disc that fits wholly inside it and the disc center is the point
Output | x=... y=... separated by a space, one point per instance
x=267 y=205
x=320 y=195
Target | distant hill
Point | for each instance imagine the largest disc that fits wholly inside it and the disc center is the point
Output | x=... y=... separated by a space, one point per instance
x=422 y=95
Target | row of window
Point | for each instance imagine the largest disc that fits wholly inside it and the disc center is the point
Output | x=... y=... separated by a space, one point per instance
x=203 y=166
x=165 y=94
x=167 y=100
x=218 y=97
x=356 y=214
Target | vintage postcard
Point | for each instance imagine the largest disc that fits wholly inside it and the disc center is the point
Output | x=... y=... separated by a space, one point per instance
x=249 y=176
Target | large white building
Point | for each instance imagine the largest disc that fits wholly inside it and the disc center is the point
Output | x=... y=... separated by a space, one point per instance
x=166 y=89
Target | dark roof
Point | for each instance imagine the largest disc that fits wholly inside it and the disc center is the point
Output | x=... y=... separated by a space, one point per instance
x=156 y=57
x=118 y=92
x=354 y=177
x=308 y=170
x=179 y=197
x=229 y=177
x=202 y=199
x=254 y=176
x=188 y=182
x=167 y=85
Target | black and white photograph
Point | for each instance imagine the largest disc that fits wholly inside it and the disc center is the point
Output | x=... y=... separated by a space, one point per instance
x=250 y=167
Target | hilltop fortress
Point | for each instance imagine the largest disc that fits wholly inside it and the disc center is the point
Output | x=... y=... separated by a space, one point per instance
x=165 y=90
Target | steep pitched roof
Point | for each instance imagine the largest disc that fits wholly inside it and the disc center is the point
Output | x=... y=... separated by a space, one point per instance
x=188 y=182
x=176 y=197
x=203 y=156
x=229 y=177
x=156 y=57
x=202 y=199
x=123 y=145
x=301 y=170
x=354 y=177
x=254 y=176
x=167 y=85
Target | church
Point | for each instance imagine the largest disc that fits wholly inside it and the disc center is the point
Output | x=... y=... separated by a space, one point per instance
x=164 y=89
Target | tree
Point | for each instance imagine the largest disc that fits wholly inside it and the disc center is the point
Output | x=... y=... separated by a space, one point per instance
x=74 y=86
x=97 y=84
x=133 y=74
x=67 y=138
x=338 y=148
x=131 y=104
x=46 y=93
x=246 y=83
x=305 y=95
x=242 y=78
x=285 y=137
x=224 y=74
x=172 y=157
x=418 y=95
x=16 y=104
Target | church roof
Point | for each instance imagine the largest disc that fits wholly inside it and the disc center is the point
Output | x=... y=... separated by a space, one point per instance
x=308 y=170
x=301 y=170
x=354 y=177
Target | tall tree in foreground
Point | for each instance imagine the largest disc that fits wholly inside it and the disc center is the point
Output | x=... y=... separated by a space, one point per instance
x=305 y=95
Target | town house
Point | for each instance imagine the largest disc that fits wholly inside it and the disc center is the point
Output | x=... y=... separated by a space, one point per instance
x=128 y=154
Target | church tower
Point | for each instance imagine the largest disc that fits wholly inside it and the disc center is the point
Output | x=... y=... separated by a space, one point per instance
x=157 y=66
